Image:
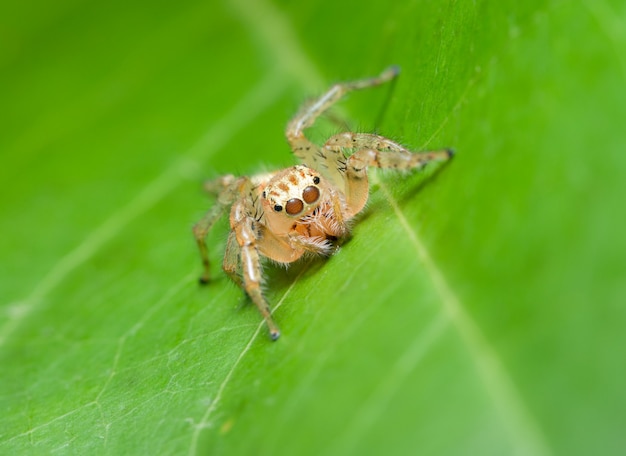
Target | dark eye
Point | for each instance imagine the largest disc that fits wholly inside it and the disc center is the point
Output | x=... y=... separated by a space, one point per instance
x=264 y=195
x=294 y=206
x=316 y=180
x=278 y=208
x=311 y=194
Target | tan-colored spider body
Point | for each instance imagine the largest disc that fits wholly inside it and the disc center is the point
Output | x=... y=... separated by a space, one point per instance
x=306 y=208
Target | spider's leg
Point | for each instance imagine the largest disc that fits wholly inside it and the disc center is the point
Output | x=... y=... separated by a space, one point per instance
x=247 y=231
x=311 y=154
x=219 y=185
x=200 y=231
x=232 y=262
x=312 y=111
x=230 y=189
x=378 y=151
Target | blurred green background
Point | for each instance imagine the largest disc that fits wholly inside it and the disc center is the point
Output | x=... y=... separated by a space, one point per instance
x=478 y=309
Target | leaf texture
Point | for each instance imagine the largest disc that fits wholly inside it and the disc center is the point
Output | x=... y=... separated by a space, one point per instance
x=477 y=309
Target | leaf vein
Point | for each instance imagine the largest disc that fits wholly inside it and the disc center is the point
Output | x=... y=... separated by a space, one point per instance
x=204 y=421
x=507 y=399
x=366 y=417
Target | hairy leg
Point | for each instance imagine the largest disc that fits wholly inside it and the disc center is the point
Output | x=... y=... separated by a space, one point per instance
x=228 y=188
x=378 y=151
x=311 y=154
x=246 y=233
x=232 y=260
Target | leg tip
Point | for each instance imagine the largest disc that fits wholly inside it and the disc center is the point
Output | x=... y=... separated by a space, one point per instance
x=450 y=153
x=274 y=334
x=391 y=72
x=203 y=280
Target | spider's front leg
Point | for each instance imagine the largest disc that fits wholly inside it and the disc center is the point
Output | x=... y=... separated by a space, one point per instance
x=247 y=234
x=377 y=151
x=310 y=153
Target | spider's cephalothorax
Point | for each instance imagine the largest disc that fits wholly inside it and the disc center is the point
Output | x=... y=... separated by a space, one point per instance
x=299 y=203
x=306 y=208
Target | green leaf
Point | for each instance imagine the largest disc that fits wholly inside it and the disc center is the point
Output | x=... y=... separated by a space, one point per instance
x=477 y=309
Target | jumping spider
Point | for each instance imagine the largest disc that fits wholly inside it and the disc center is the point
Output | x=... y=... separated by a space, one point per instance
x=307 y=208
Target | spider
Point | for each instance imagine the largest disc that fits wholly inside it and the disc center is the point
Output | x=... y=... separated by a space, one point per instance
x=305 y=209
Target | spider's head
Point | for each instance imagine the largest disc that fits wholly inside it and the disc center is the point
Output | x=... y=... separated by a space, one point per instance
x=290 y=195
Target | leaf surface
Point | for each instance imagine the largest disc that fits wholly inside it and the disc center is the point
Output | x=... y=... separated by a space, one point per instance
x=477 y=309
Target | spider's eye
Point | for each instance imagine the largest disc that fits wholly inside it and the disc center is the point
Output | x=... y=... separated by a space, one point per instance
x=278 y=208
x=311 y=194
x=264 y=195
x=316 y=180
x=294 y=206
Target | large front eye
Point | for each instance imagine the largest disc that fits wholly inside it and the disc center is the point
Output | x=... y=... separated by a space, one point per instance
x=310 y=194
x=294 y=206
